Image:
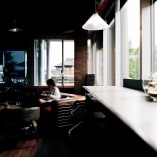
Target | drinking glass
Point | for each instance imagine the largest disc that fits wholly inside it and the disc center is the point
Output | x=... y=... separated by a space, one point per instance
x=149 y=84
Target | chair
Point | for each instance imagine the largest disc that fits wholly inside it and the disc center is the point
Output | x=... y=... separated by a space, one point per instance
x=78 y=113
x=29 y=97
x=64 y=118
x=87 y=121
x=30 y=115
x=133 y=84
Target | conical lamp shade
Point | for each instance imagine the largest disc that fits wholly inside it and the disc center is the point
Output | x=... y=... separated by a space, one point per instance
x=95 y=22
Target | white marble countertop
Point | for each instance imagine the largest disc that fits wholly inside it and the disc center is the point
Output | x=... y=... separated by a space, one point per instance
x=132 y=107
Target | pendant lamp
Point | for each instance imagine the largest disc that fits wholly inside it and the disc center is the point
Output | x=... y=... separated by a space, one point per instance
x=14 y=26
x=95 y=22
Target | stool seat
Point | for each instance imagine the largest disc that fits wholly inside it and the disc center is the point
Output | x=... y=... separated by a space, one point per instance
x=29 y=117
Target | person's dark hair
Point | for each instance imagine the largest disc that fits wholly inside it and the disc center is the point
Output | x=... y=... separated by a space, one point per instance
x=51 y=82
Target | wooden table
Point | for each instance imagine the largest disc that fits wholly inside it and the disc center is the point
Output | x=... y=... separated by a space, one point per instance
x=72 y=97
x=62 y=106
x=9 y=107
x=67 y=97
x=131 y=107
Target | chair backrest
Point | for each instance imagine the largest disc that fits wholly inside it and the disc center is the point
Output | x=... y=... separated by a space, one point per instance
x=133 y=84
x=29 y=97
x=63 y=114
x=30 y=113
x=79 y=110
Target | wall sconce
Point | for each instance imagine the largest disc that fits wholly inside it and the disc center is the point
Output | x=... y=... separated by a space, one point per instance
x=95 y=22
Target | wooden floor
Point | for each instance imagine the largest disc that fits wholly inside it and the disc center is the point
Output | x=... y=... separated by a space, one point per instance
x=86 y=141
x=27 y=148
x=50 y=146
x=54 y=144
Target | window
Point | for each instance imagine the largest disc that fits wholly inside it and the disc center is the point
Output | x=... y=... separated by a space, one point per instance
x=155 y=38
x=130 y=37
x=129 y=44
x=54 y=59
x=16 y=63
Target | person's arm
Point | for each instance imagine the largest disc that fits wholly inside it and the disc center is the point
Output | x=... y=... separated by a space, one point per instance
x=57 y=94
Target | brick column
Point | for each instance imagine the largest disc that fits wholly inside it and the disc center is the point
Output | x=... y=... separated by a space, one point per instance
x=80 y=61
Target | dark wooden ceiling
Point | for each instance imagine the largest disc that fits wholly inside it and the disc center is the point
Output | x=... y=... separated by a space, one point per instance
x=46 y=16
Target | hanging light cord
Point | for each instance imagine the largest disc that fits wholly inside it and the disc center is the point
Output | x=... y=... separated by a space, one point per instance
x=96 y=4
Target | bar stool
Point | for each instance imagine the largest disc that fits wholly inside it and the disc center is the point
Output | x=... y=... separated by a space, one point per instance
x=86 y=121
x=30 y=115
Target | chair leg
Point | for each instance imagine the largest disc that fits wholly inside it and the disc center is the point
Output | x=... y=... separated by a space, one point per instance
x=74 y=128
x=34 y=126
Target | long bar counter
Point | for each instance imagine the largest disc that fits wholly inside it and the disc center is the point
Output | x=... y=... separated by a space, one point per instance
x=132 y=107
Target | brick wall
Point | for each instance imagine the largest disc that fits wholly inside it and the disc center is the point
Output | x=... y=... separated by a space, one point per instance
x=80 y=62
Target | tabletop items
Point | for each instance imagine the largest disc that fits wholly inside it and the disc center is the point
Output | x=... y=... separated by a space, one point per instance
x=150 y=86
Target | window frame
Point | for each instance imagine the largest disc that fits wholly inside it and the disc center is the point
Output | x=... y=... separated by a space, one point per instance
x=37 y=63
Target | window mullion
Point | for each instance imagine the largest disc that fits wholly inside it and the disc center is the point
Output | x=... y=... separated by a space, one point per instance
x=62 y=72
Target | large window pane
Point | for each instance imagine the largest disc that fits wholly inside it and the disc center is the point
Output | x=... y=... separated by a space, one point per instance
x=55 y=60
x=16 y=63
x=134 y=38
x=155 y=38
x=130 y=33
x=68 y=62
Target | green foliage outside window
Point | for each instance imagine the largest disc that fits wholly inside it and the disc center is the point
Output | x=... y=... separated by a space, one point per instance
x=134 y=63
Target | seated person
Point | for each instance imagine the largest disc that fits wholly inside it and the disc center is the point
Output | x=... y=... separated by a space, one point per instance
x=7 y=78
x=48 y=108
x=52 y=93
